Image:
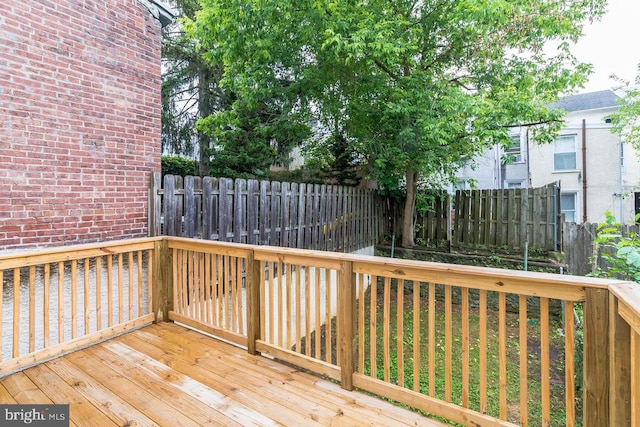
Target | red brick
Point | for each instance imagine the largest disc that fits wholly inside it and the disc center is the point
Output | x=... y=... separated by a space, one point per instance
x=80 y=100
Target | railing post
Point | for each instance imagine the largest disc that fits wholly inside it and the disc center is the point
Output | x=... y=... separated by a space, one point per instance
x=596 y=357
x=162 y=285
x=254 y=287
x=347 y=323
x=620 y=367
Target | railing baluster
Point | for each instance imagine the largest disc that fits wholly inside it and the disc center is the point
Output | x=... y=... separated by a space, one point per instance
x=524 y=361
x=447 y=343
x=74 y=298
x=98 y=288
x=139 y=284
x=307 y=310
x=464 y=295
x=386 y=320
x=297 y=302
x=45 y=306
x=120 y=288
x=1 y=315
x=569 y=364
x=432 y=335
x=373 y=327
x=32 y=308
x=60 y=302
x=482 y=349
x=16 y=312
x=317 y=311
x=327 y=311
x=502 y=352
x=85 y=296
x=545 y=386
x=130 y=286
x=400 y=330
x=288 y=271
x=110 y=295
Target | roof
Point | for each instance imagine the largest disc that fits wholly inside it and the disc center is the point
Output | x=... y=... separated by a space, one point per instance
x=588 y=101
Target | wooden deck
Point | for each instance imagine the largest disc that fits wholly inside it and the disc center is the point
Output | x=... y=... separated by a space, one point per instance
x=167 y=375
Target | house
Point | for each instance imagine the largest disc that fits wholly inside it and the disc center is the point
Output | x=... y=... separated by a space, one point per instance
x=80 y=127
x=597 y=172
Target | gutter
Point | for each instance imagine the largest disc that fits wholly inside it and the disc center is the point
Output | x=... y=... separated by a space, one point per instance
x=584 y=170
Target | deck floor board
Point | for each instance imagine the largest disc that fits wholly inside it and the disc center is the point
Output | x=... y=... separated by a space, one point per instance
x=165 y=374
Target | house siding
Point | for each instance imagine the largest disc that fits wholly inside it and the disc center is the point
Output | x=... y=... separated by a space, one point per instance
x=80 y=127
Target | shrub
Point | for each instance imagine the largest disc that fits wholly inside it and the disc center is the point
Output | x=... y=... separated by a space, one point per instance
x=178 y=165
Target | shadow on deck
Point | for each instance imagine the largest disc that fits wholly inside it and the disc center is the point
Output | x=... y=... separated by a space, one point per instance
x=167 y=375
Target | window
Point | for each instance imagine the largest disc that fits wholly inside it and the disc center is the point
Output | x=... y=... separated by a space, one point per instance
x=514 y=152
x=514 y=184
x=568 y=206
x=564 y=153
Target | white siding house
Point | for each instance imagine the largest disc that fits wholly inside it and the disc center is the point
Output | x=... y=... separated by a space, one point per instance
x=596 y=170
x=605 y=178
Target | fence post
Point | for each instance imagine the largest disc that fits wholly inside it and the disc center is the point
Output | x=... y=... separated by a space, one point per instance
x=253 y=286
x=596 y=357
x=346 y=323
x=620 y=367
x=162 y=285
x=155 y=204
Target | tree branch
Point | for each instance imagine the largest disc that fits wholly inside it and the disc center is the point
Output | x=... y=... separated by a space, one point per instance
x=384 y=68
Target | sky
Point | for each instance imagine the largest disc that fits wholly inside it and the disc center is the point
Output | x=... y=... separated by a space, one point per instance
x=612 y=45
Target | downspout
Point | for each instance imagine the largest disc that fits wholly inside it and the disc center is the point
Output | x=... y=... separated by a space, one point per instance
x=584 y=170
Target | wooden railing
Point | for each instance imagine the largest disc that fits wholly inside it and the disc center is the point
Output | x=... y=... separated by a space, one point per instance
x=473 y=345
x=57 y=300
x=476 y=346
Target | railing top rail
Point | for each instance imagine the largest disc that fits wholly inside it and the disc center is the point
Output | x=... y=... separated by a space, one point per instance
x=71 y=252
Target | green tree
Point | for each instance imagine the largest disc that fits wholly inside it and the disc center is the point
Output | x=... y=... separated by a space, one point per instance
x=416 y=86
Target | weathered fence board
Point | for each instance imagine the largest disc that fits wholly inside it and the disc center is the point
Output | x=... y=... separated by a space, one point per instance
x=579 y=251
x=504 y=219
x=305 y=216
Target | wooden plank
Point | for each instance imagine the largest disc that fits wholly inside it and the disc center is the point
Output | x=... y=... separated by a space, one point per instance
x=137 y=386
x=22 y=390
x=253 y=203
x=108 y=401
x=373 y=326
x=293 y=219
x=198 y=411
x=386 y=338
x=32 y=308
x=60 y=392
x=502 y=353
x=240 y=212
x=596 y=358
x=569 y=363
x=189 y=207
x=545 y=382
x=275 y=219
x=169 y=206
x=347 y=323
x=432 y=336
x=482 y=349
x=301 y=239
x=448 y=343
x=635 y=379
x=399 y=330
x=524 y=360
x=16 y=311
x=464 y=296
x=620 y=366
x=264 y=213
x=39 y=356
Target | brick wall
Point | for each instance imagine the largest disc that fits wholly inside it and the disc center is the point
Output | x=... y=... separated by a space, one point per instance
x=79 y=120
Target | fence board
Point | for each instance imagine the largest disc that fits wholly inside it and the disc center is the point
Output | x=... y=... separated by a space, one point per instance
x=305 y=216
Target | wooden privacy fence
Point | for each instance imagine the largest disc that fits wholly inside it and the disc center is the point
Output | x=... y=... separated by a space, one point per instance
x=503 y=219
x=578 y=244
x=305 y=216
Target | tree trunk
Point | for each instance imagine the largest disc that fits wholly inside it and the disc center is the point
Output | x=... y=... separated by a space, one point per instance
x=408 y=221
x=204 y=110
